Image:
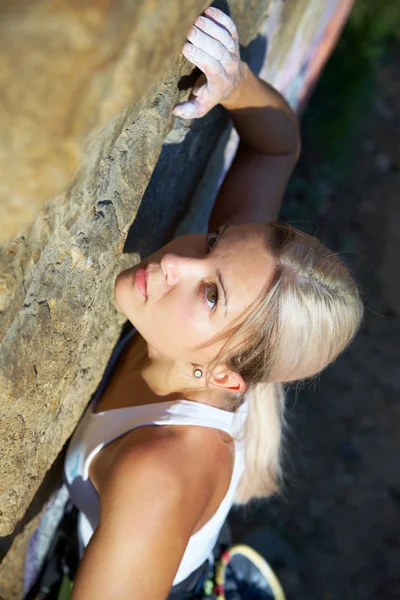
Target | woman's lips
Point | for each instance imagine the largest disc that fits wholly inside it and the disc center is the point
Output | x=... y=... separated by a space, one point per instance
x=141 y=280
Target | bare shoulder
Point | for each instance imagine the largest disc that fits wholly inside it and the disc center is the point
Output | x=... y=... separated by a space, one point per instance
x=174 y=473
x=160 y=483
x=184 y=461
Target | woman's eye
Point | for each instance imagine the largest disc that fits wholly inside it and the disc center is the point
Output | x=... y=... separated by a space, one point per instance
x=211 y=296
x=211 y=239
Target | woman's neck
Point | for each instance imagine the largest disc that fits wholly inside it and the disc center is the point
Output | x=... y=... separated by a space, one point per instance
x=165 y=376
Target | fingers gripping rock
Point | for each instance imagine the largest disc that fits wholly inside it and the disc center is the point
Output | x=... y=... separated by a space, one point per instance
x=213 y=46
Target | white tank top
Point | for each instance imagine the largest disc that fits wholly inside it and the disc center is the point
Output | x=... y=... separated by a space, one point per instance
x=96 y=430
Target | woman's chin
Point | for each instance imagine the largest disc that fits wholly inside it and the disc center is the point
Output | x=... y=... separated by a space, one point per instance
x=126 y=295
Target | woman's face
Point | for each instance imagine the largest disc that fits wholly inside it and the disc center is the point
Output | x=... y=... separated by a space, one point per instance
x=194 y=287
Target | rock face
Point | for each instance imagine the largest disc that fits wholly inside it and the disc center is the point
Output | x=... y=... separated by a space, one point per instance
x=107 y=77
x=67 y=67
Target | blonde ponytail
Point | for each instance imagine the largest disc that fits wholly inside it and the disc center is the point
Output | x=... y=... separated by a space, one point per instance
x=263 y=432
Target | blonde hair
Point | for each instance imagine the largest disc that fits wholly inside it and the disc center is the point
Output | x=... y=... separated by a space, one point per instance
x=297 y=327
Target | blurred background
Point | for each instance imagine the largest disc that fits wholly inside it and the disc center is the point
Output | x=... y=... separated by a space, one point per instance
x=335 y=534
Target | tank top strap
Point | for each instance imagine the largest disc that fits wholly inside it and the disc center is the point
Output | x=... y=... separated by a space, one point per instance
x=175 y=412
x=188 y=412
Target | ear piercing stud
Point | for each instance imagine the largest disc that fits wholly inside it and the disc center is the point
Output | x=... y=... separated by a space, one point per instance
x=198 y=373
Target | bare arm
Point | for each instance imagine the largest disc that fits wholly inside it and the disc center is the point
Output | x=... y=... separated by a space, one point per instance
x=263 y=119
x=150 y=504
x=139 y=542
x=268 y=150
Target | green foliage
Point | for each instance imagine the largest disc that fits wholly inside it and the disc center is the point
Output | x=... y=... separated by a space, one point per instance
x=374 y=24
x=345 y=91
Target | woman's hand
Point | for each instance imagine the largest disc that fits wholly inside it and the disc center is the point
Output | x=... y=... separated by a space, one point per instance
x=214 y=49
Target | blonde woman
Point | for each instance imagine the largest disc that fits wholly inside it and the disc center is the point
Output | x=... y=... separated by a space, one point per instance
x=189 y=416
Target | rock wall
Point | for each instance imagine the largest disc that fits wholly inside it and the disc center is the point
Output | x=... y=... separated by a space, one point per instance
x=67 y=67
x=112 y=75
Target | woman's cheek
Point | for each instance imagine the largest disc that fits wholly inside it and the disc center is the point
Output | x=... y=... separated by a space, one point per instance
x=176 y=322
x=177 y=311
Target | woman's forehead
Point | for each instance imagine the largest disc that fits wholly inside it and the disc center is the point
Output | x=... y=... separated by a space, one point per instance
x=244 y=233
x=245 y=263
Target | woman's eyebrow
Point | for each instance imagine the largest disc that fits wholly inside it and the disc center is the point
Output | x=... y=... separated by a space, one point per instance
x=220 y=279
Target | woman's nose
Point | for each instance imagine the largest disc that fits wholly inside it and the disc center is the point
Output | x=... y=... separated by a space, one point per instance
x=175 y=267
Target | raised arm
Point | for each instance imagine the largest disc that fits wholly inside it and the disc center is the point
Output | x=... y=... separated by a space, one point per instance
x=268 y=129
x=269 y=147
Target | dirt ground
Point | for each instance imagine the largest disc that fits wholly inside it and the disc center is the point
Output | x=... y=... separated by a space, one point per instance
x=336 y=533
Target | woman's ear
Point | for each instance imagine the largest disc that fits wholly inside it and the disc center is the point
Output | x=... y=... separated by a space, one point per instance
x=224 y=378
